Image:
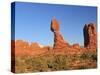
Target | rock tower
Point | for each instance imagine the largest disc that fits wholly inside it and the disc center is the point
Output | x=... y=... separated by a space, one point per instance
x=90 y=36
x=58 y=39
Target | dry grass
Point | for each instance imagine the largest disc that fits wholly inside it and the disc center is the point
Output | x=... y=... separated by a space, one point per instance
x=51 y=62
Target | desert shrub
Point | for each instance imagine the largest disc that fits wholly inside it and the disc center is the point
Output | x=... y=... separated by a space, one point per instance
x=84 y=56
x=60 y=62
x=89 y=55
x=87 y=60
x=20 y=65
x=30 y=64
x=57 y=63
x=39 y=64
x=54 y=62
x=94 y=56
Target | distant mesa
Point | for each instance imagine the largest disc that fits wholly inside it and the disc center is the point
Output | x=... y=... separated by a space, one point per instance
x=76 y=46
x=21 y=43
x=23 y=48
x=34 y=45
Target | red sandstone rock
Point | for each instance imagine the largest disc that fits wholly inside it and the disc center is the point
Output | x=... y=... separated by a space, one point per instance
x=54 y=25
x=21 y=45
x=34 y=46
x=76 y=46
x=58 y=39
x=90 y=36
x=46 y=47
x=22 y=48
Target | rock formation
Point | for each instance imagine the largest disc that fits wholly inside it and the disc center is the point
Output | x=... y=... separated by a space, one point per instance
x=21 y=45
x=58 y=39
x=76 y=46
x=90 y=36
x=54 y=25
x=34 y=46
x=23 y=48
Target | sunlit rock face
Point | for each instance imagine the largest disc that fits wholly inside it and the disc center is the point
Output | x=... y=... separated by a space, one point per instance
x=58 y=38
x=76 y=46
x=54 y=25
x=90 y=36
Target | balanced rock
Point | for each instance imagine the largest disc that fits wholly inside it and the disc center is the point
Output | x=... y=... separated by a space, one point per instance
x=90 y=36
x=54 y=25
x=58 y=39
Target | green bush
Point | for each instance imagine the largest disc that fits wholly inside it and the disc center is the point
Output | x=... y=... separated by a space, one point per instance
x=54 y=62
x=89 y=55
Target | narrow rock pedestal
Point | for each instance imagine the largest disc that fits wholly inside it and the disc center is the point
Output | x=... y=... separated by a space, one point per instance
x=58 y=39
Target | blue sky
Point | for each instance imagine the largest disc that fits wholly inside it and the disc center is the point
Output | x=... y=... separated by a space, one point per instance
x=32 y=21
